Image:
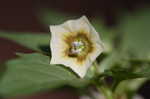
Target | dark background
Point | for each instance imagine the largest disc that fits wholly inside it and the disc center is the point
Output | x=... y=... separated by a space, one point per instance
x=21 y=15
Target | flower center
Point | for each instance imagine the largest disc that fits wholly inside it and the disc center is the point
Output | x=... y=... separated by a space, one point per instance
x=77 y=47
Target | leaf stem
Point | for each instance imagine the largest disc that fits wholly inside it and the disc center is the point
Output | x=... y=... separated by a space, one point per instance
x=115 y=84
x=106 y=92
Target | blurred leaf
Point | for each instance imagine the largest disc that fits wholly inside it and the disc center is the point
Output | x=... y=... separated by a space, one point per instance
x=136 y=33
x=130 y=86
x=90 y=73
x=122 y=73
x=50 y=16
x=33 y=73
x=144 y=71
x=125 y=74
x=107 y=34
x=29 y=40
x=112 y=60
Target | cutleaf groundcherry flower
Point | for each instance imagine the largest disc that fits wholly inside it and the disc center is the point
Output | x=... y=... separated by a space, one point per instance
x=75 y=44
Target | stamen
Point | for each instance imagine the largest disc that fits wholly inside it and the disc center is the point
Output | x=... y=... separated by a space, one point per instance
x=77 y=47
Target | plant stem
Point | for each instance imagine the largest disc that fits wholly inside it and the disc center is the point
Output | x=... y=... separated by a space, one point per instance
x=96 y=68
x=106 y=92
x=115 y=84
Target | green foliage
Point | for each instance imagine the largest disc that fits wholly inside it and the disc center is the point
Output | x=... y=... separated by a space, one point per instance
x=33 y=41
x=122 y=74
x=136 y=33
x=51 y=17
x=144 y=71
x=114 y=59
x=32 y=73
x=122 y=68
x=134 y=44
x=129 y=86
x=107 y=34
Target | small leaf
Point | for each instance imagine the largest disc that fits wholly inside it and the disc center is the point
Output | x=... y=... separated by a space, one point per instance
x=33 y=41
x=32 y=73
x=121 y=73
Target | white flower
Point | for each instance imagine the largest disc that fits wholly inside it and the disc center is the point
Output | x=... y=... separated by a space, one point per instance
x=75 y=44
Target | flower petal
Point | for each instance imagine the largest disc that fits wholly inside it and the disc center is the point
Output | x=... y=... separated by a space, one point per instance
x=95 y=38
x=77 y=25
x=79 y=68
x=59 y=46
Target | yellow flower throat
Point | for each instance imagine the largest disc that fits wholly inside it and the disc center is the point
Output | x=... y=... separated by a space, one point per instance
x=79 y=46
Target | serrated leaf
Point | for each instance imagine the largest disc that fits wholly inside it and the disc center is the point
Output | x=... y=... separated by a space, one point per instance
x=136 y=33
x=32 y=73
x=38 y=42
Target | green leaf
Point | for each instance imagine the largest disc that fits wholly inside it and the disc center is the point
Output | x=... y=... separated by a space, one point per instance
x=114 y=59
x=33 y=41
x=130 y=86
x=136 y=33
x=32 y=73
x=50 y=16
x=144 y=70
x=132 y=80
x=122 y=73
x=120 y=67
x=107 y=34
